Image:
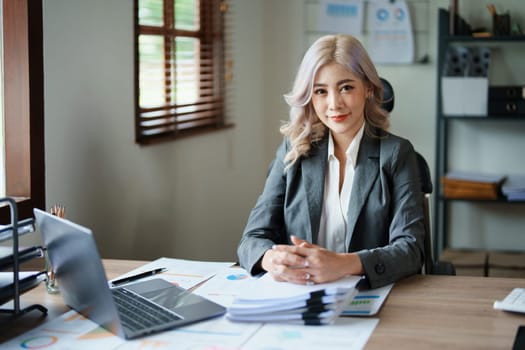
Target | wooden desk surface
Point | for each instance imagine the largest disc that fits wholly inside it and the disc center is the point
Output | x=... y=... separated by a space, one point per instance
x=421 y=312
x=447 y=312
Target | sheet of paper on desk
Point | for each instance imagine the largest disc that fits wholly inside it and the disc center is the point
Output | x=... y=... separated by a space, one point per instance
x=228 y=283
x=215 y=334
x=225 y=285
x=69 y=331
x=368 y=302
x=344 y=334
x=266 y=289
x=72 y=331
x=184 y=273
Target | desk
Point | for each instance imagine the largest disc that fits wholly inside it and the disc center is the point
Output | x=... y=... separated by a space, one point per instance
x=420 y=312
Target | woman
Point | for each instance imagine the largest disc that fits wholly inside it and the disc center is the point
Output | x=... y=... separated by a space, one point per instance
x=342 y=195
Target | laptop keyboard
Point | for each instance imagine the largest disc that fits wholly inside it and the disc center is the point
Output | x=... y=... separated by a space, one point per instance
x=137 y=313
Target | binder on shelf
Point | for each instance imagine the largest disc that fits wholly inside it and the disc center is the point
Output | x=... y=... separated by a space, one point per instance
x=507 y=92
x=464 y=185
x=507 y=107
x=507 y=100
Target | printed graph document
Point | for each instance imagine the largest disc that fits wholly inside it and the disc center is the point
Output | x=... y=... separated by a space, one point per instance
x=345 y=334
x=73 y=331
x=184 y=273
x=367 y=302
x=224 y=287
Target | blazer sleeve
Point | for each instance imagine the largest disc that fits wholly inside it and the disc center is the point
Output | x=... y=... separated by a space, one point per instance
x=265 y=226
x=403 y=255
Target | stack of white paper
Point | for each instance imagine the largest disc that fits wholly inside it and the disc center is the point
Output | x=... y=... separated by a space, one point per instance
x=514 y=188
x=266 y=300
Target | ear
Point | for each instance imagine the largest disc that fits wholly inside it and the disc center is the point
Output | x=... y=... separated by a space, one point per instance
x=369 y=92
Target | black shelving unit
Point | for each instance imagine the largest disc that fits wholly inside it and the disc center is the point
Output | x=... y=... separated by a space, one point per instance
x=441 y=207
x=13 y=262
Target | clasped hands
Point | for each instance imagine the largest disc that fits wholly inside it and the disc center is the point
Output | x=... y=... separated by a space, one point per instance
x=307 y=263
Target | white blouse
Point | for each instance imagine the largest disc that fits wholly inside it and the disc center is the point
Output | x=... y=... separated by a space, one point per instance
x=332 y=230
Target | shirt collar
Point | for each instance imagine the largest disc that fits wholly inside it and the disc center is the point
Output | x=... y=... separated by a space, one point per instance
x=353 y=148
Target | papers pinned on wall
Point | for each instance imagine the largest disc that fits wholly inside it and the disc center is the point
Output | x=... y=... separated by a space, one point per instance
x=341 y=16
x=390 y=34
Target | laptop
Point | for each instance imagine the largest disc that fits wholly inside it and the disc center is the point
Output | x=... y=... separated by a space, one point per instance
x=129 y=311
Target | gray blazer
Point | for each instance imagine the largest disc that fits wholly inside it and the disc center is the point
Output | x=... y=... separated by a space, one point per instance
x=385 y=214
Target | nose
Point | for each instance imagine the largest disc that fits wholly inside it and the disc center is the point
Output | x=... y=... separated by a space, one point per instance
x=334 y=102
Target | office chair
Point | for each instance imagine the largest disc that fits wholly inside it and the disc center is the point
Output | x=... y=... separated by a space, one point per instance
x=431 y=265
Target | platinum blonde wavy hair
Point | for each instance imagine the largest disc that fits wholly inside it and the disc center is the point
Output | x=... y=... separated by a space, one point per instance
x=304 y=127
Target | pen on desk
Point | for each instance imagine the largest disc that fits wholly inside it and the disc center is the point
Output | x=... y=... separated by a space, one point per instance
x=137 y=276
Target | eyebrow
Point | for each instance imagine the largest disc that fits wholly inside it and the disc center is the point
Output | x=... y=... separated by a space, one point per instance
x=338 y=83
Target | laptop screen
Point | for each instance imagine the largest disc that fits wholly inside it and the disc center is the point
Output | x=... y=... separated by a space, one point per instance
x=78 y=268
x=83 y=284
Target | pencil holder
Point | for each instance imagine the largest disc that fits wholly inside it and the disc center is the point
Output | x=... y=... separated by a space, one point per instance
x=501 y=24
x=51 y=281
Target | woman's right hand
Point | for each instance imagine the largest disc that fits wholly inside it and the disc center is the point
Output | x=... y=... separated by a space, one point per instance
x=306 y=263
x=285 y=264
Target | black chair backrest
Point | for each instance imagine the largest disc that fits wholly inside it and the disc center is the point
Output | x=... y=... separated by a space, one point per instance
x=424 y=174
x=388 y=95
x=431 y=265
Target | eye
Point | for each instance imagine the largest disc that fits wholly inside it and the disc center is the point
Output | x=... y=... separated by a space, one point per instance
x=346 y=87
x=319 y=91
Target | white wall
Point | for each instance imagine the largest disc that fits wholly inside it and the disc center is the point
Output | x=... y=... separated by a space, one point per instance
x=189 y=198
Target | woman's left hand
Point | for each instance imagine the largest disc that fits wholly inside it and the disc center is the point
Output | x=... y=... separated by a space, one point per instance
x=325 y=265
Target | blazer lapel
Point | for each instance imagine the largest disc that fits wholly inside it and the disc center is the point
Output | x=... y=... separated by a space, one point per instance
x=313 y=172
x=366 y=172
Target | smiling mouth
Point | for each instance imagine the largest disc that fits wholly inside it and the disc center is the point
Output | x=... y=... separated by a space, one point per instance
x=338 y=118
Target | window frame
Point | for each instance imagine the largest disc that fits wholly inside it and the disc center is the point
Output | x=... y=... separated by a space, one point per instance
x=23 y=76
x=170 y=119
